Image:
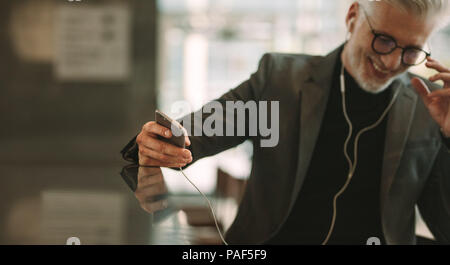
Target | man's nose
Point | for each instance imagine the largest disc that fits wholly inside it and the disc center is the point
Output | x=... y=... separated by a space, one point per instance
x=393 y=60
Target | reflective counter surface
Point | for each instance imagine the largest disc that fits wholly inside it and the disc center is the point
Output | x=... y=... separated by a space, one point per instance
x=100 y=205
x=108 y=205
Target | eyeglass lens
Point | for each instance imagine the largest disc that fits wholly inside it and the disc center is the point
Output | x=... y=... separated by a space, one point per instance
x=385 y=45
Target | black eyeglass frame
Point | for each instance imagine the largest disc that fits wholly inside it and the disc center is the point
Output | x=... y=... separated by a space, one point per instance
x=404 y=49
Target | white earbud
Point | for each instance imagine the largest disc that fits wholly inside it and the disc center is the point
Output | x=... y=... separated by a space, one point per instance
x=348 y=35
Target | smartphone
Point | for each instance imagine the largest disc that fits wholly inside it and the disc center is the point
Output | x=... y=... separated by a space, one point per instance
x=174 y=126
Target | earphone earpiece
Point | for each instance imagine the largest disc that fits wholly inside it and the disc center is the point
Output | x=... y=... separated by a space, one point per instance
x=350 y=26
x=342 y=79
x=348 y=35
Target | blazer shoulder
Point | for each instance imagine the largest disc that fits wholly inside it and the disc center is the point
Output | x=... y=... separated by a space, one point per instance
x=285 y=61
x=288 y=69
x=284 y=72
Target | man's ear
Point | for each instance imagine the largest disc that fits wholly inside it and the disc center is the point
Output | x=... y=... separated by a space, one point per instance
x=352 y=16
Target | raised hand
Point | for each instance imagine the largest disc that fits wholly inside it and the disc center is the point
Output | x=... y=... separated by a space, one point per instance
x=437 y=102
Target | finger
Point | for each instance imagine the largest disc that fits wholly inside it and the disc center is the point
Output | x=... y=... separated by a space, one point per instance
x=187 y=141
x=436 y=66
x=440 y=93
x=154 y=128
x=163 y=157
x=173 y=166
x=431 y=59
x=155 y=163
x=422 y=89
x=441 y=76
x=164 y=148
x=150 y=162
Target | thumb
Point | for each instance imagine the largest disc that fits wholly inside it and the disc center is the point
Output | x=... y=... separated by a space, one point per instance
x=188 y=141
x=422 y=89
x=186 y=137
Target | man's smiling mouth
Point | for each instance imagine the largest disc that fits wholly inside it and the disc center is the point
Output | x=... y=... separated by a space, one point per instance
x=378 y=70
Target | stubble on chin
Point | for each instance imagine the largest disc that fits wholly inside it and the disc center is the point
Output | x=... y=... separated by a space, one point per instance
x=359 y=63
x=370 y=86
x=367 y=82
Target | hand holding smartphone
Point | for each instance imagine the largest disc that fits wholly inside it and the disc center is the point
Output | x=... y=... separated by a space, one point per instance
x=162 y=143
x=178 y=132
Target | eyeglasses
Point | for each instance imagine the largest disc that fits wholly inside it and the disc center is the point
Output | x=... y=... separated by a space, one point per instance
x=384 y=44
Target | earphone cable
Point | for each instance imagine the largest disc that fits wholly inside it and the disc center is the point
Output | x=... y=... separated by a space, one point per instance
x=352 y=165
x=210 y=207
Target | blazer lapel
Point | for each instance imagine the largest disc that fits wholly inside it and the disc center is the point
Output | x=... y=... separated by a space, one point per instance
x=314 y=93
x=399 y=123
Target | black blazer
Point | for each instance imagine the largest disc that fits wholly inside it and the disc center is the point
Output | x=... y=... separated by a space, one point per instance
x=416 y=163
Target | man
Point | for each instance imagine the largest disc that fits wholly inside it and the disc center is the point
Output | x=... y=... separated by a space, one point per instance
x=325 y=183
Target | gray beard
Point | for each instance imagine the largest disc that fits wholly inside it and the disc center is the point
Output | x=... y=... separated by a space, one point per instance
x=369 y=89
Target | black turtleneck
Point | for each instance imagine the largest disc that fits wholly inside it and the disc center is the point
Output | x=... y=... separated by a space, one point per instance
x=358 y=208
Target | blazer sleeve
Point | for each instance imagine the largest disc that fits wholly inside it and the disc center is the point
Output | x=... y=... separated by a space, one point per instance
x=130 y=151
x=202 y=146
x=434 y=202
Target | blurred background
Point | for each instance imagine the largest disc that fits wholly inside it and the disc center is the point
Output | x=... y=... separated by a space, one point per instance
x=78 y=79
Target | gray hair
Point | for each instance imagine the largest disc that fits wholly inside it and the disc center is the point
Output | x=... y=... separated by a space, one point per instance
x=423 y=8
